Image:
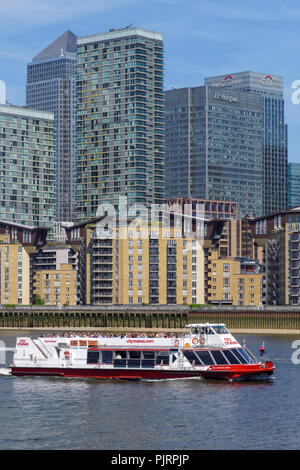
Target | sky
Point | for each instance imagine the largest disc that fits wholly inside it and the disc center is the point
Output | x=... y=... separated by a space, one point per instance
x=202 y=38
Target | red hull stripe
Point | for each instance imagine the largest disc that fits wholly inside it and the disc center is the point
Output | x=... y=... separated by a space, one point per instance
x=213 y=372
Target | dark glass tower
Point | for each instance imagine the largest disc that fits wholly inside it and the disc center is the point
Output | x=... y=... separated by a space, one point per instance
x=270 y=90
x=119 y=119
x=51 y=87
x=214 y=144
x=293 y=185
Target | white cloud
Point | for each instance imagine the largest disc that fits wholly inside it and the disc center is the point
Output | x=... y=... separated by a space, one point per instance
x=39 y=12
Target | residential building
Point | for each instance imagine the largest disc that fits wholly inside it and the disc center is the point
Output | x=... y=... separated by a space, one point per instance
x=54 y=271
x=279 y=235
x=119 y=120
x=17 y=244
x=51 y=87
x=235 y=281
x=156 y=265
x=27 y=166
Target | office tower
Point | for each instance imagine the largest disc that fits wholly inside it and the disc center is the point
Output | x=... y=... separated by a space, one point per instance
x=270 y=90
x=27 y=166
x=51 y=87
x=214 y=146
x=119 y=119
x=293 y=184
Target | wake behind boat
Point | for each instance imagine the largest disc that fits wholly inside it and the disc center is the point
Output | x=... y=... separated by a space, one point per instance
x=207 y=350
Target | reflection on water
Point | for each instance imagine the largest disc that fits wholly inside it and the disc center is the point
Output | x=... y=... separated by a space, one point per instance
x=77 y=413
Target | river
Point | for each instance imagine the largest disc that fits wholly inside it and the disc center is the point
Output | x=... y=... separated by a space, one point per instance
x=61 y=413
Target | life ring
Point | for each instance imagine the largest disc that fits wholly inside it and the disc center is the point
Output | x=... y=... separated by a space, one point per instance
x=176 y=343
x=202 y=341
x=195 y=340
x=67 y=354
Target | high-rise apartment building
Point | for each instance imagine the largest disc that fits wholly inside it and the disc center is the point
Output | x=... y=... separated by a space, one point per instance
x=293 y=185
x=269 y=88
x=27 y=166
x=214 y=141
x=51 y=87
x=119 y=119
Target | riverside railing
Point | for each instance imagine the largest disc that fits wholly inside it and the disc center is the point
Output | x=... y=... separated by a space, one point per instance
x=161 y=317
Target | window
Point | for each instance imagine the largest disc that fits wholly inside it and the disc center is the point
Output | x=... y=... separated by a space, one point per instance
x=205 y=357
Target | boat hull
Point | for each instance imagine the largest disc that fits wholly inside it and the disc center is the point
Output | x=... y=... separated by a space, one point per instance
x=214 y=372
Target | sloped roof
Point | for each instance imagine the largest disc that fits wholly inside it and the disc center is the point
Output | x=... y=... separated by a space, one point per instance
x=64 y=44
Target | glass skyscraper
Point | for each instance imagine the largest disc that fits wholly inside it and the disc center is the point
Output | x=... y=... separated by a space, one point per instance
x=119 y=119
x=214 y=141
x=270 y=90
x=27 y=166
x=51 y=87
x=293 y=185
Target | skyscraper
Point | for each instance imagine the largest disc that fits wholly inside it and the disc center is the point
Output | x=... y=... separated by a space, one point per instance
x=293 y=185
x=270 y=90
x=214 y=146
x=51 y=87
x=27 y=167
x=120 y=119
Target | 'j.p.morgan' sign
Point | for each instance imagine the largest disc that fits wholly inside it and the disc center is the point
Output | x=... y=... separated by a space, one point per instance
x=221 y=96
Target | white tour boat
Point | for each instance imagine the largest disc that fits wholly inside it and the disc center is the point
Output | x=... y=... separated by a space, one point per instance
x=206 y=350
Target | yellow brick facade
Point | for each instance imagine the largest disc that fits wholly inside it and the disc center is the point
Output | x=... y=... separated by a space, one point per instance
x=14 y=272
x=56 y=287
x=146 y=267
x=229 y=284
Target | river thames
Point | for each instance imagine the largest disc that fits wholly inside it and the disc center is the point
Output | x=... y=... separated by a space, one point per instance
x=193 y=414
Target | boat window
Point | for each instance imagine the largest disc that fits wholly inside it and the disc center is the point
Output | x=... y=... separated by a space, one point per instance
x=194 y=331
x=218 y=357
x=191 y=356
x=246 y=355
x=231 y=357
x=148 y=354
x=220 y=330
x=251 y=355
x=208 y=330
x=92 y=357
x=134 y=363
x=241 y=357
x=205 y=357
x=120 y=354
x=120 y=363
x=107 y=357
x=162 y=358
x=134 y=354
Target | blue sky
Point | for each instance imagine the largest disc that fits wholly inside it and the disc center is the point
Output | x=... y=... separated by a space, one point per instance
x=202 y=38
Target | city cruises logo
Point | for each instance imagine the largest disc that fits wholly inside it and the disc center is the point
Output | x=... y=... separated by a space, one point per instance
x=267 y=81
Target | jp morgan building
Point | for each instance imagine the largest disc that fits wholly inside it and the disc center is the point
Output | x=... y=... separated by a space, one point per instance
x=214 y=146
x=270 y=90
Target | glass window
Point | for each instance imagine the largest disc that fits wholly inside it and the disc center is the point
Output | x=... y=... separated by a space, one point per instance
x=220 y=330
x=231 y=358
x=92 y=357
x=191 y=356
x=205 y=357
x=218 y=357
x=106 y=357
x=246 y=355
